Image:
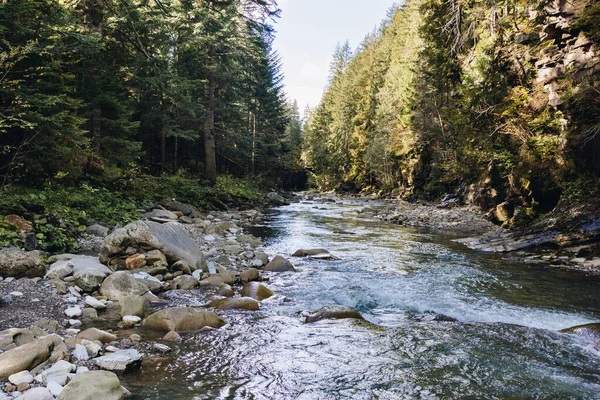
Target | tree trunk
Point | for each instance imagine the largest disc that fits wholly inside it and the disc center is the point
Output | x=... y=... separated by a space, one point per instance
x=210 y=158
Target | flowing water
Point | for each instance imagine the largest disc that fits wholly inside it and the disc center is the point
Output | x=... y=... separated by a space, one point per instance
x=504 y=343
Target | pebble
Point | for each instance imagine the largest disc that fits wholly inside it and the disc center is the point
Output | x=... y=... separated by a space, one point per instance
x=54 y=388
x=75 y=323
x=134 y=319
x=92 y=302
x=111 y=349
x=74 y=291
x=163 y=348
x=16 y=294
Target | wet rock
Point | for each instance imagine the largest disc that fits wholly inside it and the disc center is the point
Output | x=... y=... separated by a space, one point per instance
x=132 y=305
x=587 y=329
x=39 y=393
x=256 y=291
x=239 y=303
x=249 y=275
x=122 y=361
x=280 y=264
x=27 y=356
x=315 y=253
x=103 y=384
x=252 y=240
x=18 y=264
x=135 y=261
x=276 y=199
x=185 y=282
x=333 y=312
x=93 y=334
x=172 y=239
x=122 y=284
x=183 y=319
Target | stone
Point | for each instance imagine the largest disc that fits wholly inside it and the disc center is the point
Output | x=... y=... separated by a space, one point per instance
x=172 y=337
x=59 y=270
x=172 y=239
x=156 y=258
x=225 y=291
x=185 y=282
x=97 y=230
x=20 y=377
x=334 y=312
x=132 y=305
x=92 y=348
x=14 y=337
x=504 y=211
x=38 y=393
x=238 y=303
x=58 y=373
x=133 y=319
x=256 y=291
x=161 y=214
x=249 y=275
x=16 y=263
x=183 y=319
x=217 y=280
x=135 y=338
x=264 y=257
x=122 y=361
x=75 y=323
x=17 y=223
x=314 y=253
x=94 y=303
x=90 y=313
x=54 y=388
x=163 y=348
x=104 y=385
x=151 y=282
x=198 y=274
x=587 y=329
x=27 y=356
x=49 y=325
x=252 y=240
x=135 y=261
x=122 y=284
x=89 y=272
x=279 y=264
x=233 y=249
x=80 y=353
x=73 y=312
x=93 y=334
x=276 y=199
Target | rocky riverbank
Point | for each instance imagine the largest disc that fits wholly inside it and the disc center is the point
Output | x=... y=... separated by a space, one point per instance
x=72 y=324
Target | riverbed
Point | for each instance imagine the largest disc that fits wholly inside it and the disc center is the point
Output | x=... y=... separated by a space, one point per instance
x=442 y=322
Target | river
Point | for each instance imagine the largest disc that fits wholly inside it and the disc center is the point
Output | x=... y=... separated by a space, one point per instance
x=408 y=285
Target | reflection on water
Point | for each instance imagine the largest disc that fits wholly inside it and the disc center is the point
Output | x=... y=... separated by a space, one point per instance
x=504 y=344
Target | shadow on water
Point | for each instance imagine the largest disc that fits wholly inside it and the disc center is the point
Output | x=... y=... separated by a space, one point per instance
x=503 y=344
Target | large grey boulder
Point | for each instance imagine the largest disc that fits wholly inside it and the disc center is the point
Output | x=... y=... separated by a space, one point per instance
x=334 y=312
x=89 y=272
x=172 y=239
x=122 y=361
x=100 y=385
x=121 y=284
x=27 y=356
x=276 y=199
x=18 y=264
x=279 y=264
x=183 y=319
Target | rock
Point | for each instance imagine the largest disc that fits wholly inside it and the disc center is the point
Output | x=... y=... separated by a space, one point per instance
x=249 y=239
x=80 y=353
x=20 y=377
x=97 y=230
x=276 y=199
x=14 y=337
x=226 y=291
x=58 y=373
x=256 y=291
x=240 y=303
x=279 y=264
x=27 y=356
x=184 y=267
x=587 y=329
x=185 y=209
x=94 y=303
x=156 y=258
x=17 y=223
x=233 y=249
x=121 y=284
x=89 y=272
x=49 y=325
x=172 y=239
x=264 y=257
x=249 y=275
x=18 y=264
x=133 y=305
x=172 y=337
x=159 y=214
x=59 y=270
x=333 y=312
x=122 y=361
x=185 y=282
x=73 y=312
x=315 y=253
x=135 y=261
x=93 y=334
x=132 y=319
x=152 y=283
x=54 y=388
x=92 y=348
x=504 y=211
x=38 y=393
x=217 y=280
x=104 y=385
x=182 y=319
x=186 y=220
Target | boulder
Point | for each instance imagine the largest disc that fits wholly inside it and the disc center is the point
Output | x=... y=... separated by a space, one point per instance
x=256 y=291
x=89 y=272
x=238 y=303
x=38 y=393
x=14 y=337
x=59 y=270
x=504 y=211
x=93 y=334
x=183 y=319
x=122 y=361
x=160 y=215
x=172 y=239
x=333 y=312
x=249 y=275
x=132 y=305
x=587 y=329
x=27 y=356
x=276 y=199
x=104 y=385
x=185 y=282
x=315 y=253
x=279 y=264
x=16 y=263
x=121 y=284
x=217 y=280
x=183 y=208
x=97 y=230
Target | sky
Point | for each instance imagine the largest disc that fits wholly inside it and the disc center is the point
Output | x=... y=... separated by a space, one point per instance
x=307 y=34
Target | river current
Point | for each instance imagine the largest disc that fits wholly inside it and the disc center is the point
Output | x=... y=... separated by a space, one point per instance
x=410 y=286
